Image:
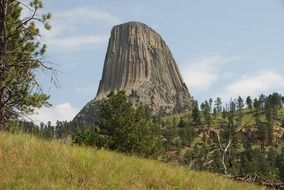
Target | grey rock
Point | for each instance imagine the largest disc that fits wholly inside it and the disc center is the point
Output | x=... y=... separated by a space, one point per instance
x=139 y=61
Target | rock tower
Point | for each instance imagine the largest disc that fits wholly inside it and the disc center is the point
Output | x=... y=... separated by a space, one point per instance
x=139 y=61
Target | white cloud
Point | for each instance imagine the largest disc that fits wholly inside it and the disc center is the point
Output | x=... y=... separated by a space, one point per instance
x=86 y=14
x=202 y=72
x=77 y=41
x=61 y=112
x=254 y=85
x=79 y=27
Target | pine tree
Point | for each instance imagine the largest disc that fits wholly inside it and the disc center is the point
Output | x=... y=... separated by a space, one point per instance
x=21 y=55
x=261 y=134
x=240 y=104
x=215 y=112
x=218 y=104
x=255 y=103
x=196 y=113
x=206 y=109
x=224 y=113
x=280 y=164
x=247 y=159
x=249 y=102
x=269 y=130
x=261 y=101
x=181 y=123
x=210 y=103
x=127 y=129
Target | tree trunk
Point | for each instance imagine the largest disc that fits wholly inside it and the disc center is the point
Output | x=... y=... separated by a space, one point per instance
x=3 y=8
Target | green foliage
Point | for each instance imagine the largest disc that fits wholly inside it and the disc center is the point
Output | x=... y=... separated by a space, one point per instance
x=203 y=156
x=249 y=102
x=240 y=103
x=253 y=150
x=186 y=132
x=206 y=110
x=280 y=164
x=170 y=133
x=89 y=136
x=218 y=104
x=124 y=128
x=196 y=118
x=24 y=58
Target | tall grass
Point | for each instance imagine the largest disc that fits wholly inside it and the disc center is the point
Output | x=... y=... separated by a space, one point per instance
x=27 y=162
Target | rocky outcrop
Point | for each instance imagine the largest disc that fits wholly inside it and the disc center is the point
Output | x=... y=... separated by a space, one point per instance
x=139 y=61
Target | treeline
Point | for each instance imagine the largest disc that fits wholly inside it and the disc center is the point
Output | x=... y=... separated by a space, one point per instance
x=243 y=137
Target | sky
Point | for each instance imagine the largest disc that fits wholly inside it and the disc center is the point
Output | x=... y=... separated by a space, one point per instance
x=223 y=48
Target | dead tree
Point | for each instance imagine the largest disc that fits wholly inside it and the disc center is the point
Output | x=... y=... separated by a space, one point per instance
x=225 y=148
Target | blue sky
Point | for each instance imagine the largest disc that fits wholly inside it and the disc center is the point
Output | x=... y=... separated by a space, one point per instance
x=223 y=48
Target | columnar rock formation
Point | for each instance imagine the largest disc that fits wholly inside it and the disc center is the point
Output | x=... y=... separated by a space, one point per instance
x=139 y=62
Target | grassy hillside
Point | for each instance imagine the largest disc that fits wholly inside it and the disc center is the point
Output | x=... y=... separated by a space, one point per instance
x=27 y=162
x=248 y=116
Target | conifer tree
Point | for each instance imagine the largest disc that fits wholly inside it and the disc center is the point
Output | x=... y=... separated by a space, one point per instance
x=127 y=129
x=249 y=102
x=21 y=56
x=240 y=103
x=218 y=104
x=196 y=113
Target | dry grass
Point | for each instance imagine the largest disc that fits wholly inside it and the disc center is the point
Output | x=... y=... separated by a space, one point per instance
x=27 y=162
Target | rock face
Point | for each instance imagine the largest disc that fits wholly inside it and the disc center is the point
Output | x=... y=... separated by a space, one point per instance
x=139 y=62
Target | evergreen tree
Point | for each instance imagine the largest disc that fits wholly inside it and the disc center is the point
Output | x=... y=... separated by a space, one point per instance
x=261 y=101
x=215 y=112
x=206 y=108
x=21 y=56
x=186 y=133
x=261 y=134
x=196 y=113
x=249 y=102
x=210 y=104
x=224 y=113
x=262 y=164
x=269 y=131
x=181 y=123
x=255 y=103
x=127 y=129
x=271 y=159
x=170 y=132
x=275 y=100
x=280 y=164
x=248 y=165
x=240 y=104
x=218 y=104
x=232 y=106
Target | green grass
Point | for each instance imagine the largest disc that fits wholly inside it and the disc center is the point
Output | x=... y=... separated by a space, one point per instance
x=27 y=162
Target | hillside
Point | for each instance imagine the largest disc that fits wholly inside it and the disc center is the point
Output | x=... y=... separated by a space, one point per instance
x=27 y=162
x=247 y=119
